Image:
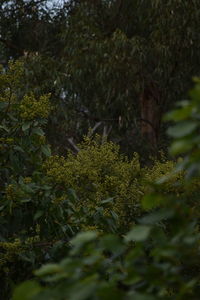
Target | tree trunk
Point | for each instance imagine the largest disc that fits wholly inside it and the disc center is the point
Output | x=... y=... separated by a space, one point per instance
x=150 y=115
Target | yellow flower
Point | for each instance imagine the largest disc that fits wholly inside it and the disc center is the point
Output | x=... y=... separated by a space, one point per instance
x=27 y=180
x=32 y=108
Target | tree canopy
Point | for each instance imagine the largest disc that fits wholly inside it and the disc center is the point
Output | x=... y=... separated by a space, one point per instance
x=114 y=66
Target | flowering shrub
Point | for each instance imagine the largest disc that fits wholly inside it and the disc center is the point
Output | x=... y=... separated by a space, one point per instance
x=98 y=172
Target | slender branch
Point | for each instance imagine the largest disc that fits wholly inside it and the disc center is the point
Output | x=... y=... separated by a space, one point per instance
x=70 y=140
x=94 y=128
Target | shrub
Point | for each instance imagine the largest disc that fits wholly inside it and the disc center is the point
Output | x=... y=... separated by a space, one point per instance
x=99 y=172
x=25 y=218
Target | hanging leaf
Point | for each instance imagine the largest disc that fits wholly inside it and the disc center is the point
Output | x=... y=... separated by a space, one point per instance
x=46 y=150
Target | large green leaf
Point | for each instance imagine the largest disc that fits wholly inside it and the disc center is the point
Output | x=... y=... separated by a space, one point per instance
x=83 y=238
x=26 y=291
x=182 y=129
x=138 y=233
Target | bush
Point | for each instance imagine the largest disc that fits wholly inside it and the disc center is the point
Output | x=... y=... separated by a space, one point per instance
x=99 y=172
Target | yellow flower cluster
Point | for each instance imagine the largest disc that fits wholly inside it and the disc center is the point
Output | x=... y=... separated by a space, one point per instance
x=6 y=140
x=97 y=172
x=42 y=140
x=89 y=228
x=27 y=180
x=159 y=170
x=58 y=200
x=33 y=239
x=39 y=140
x=15 y=71
x=32 y=108
x=8 y=97
x=10 y=80
x=11 y=192
x=14 y=194
x=8 y=253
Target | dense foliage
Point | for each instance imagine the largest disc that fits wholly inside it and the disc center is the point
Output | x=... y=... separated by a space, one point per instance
x=156 y=259
x=93 y=206
x=40 y=213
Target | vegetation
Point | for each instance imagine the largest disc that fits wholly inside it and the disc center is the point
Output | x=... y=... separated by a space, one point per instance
x=94 y=202
x=113 y=66
x=156 y=259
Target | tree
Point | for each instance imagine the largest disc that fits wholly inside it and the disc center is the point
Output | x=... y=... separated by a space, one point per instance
x=115 y=66
x=129 y=65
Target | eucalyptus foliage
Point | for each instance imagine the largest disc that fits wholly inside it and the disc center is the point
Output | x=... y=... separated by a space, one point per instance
x=101 y=58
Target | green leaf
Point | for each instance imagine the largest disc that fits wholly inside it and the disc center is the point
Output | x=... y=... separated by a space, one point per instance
x=109 y=200
x=46 y=150
x=18 y=148
x=195 y=93
x=49 y=269
x=109 y=290
x=139 y=233
x=84 y=237
x=4 y=127
x=112 y=243
x=151 y=201
x=84 y=289
x=38 y=214
x=157 y=216
x=138 y=296
x=179 y=114
x=114 y=215
x=180 y=146
x=38 y=131
x=182 y=129
x=26 y=291
x=72 y=195
x=3 y=105
x=26 y=126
